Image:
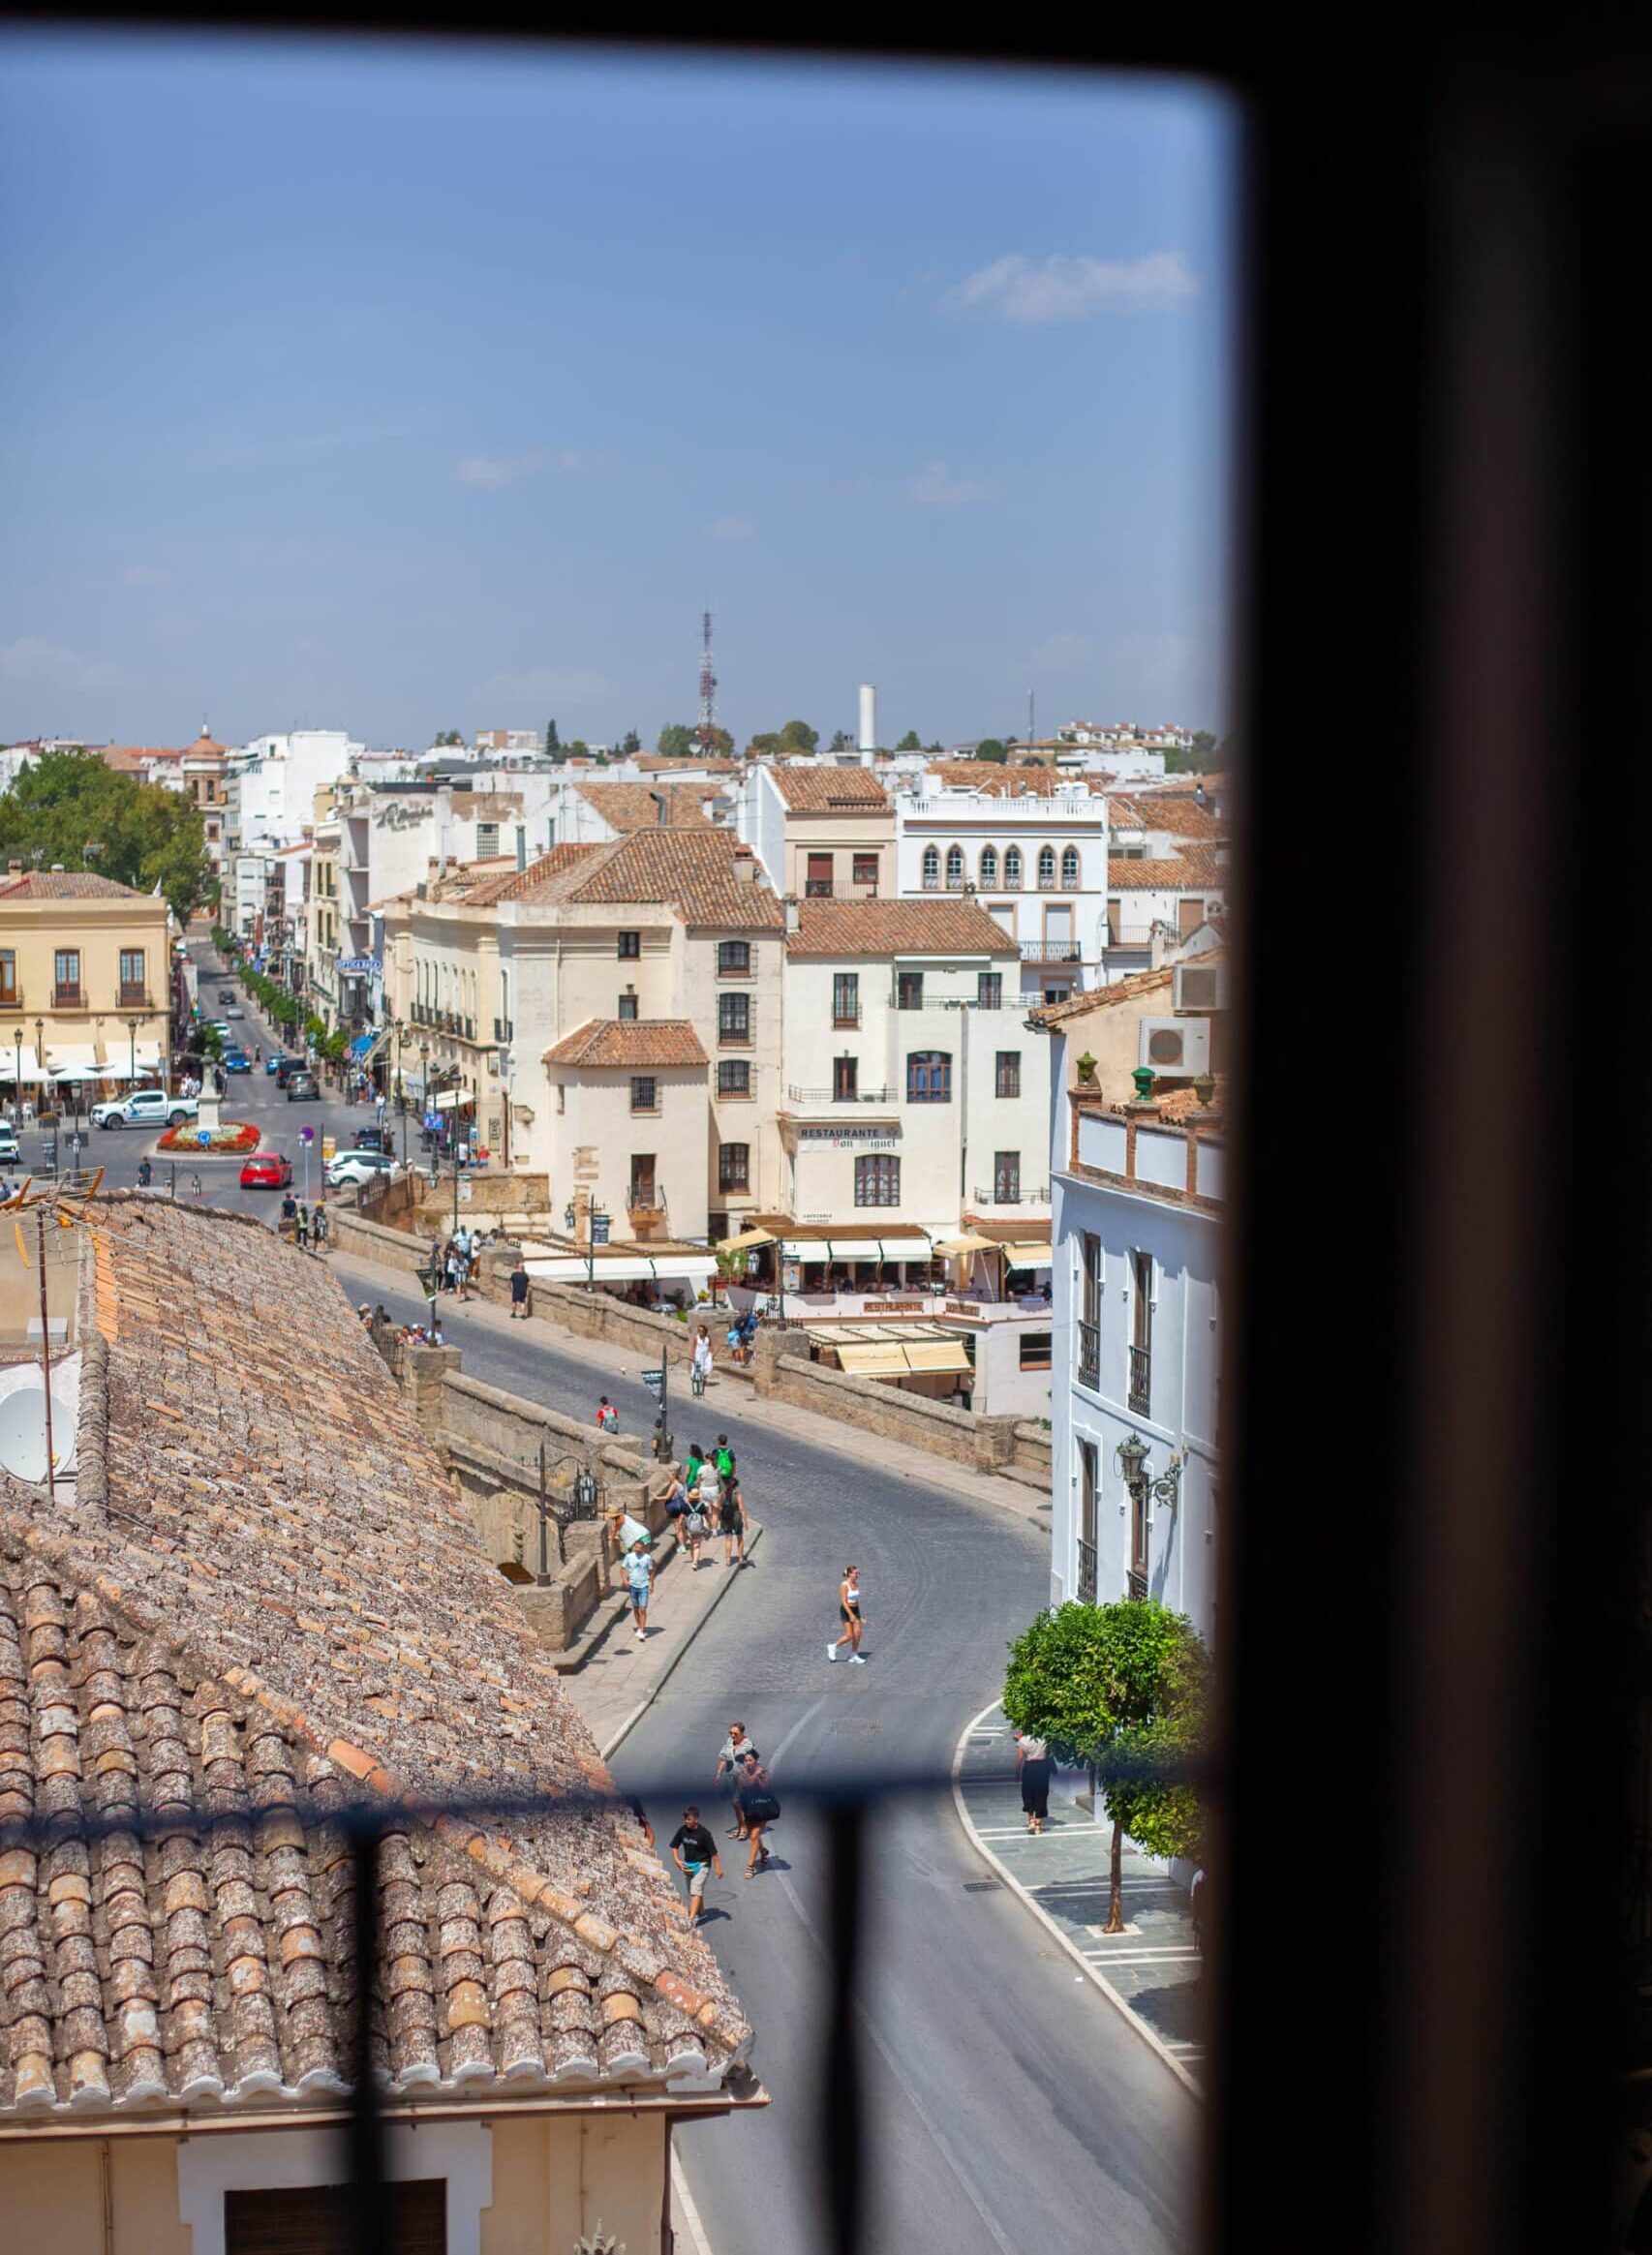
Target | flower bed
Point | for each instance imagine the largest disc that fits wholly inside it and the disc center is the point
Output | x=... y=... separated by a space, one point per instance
x=233 y=1138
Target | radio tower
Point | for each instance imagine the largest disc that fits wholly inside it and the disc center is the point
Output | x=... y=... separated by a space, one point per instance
x=707 y=687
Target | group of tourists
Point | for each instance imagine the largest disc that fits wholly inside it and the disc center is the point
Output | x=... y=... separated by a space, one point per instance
x=306 y=1225
x=704 y=1500
x=457 y=1260
x=742 y=1776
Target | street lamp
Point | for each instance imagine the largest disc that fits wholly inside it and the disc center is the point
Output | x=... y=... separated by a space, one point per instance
x=585 y=1493
x=1144 y=1488
x=131 y=1051
x=400 y=1092
x=40 y=1048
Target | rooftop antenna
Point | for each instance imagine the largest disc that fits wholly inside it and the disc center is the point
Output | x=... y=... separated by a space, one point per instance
x=706 y=731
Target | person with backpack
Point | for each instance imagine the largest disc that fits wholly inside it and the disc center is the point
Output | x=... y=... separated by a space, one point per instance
x=607 y=1416
x=731 y=1514
x=757 y=1806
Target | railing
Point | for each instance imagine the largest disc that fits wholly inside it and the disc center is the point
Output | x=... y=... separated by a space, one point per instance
x=135 y=999
x=845 y=1020
x=1089 y=1354
x=1140 y=1391
x=1022 y=807
x=1087 y=1572
x=835 y=1095
x=1003 y=1194
x=734 y=970
x=1050 y=951
x=738 y=1037
x=11 y=998
x=1138 y=1584
x=68 y=997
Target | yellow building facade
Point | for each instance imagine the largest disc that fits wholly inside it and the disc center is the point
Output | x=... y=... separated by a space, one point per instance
x=85 y=971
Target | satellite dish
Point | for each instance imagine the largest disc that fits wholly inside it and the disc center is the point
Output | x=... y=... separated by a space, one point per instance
x=22 y=1432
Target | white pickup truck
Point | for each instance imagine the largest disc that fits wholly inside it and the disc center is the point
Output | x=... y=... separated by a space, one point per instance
x=146 y=1108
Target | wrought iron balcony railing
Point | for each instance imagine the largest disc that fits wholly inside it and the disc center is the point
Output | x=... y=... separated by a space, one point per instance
x=1141 y=1394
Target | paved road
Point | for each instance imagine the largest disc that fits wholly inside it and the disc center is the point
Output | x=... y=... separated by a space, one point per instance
x=1009 y=2108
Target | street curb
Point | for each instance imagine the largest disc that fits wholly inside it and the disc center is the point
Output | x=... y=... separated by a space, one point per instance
x=695 y=2231
x=1148 y=2035
x=754 y=1536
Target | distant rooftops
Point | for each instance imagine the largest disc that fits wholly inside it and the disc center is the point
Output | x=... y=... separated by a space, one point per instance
x=810 y=790
x=896 y=927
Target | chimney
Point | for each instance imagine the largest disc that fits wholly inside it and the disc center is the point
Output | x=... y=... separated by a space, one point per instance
x=868 y=717
x=662 y=819
x=13 y=868
x=794 y=917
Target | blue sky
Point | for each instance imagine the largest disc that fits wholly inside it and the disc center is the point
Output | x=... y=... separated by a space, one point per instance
x=405 y=389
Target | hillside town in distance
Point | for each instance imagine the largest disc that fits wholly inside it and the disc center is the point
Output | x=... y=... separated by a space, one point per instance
x=583 y=1265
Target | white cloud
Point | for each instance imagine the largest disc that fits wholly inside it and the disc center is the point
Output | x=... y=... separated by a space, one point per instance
x=935 y=490
x=733 y=529
x=1066 y=289
x=492 y=469
x=31 y=658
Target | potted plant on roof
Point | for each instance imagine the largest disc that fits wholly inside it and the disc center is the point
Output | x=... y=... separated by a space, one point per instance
x=1205 y=1088
x=1087 y=1070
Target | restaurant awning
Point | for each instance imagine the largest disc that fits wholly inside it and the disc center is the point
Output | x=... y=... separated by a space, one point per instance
x=622 y=1269
x=956 y=1247
x=446 y=1099
x=1029 y=1255
x=937 y=1355
x=748 y=1241
x=9 y=1065
x=908 y=1248
x=65 y=1057
x=872 y=1361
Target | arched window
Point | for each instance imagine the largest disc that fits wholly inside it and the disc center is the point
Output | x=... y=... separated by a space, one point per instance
x=1046 y=866
x=929 y=1076
x=1070 y=867
x=954 y=868
x=989 y=866
x=1011 y=868
x=932 y=867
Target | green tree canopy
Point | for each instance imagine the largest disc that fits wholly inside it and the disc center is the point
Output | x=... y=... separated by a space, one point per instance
x=990 y=748
x=69 y=807
x=909 y=742
x=676 y=741
x=1205 y=755
x=1119 y=1687
x=631 y=743
x=447 y=738
x=553 y=741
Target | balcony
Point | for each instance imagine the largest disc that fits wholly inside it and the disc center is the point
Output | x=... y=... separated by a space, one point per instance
x=835 y=1095
x=69 y=998
x=845 y=1021
x=1087 y=1574
x=135 y=999
x=11 y=998
x=505 y=1029
x=1050 y=951
x=1089 y=1354
x=1141 y=1394
x=737 y=1036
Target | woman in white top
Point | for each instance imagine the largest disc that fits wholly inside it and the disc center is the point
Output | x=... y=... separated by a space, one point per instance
x=849 y=1611
x=700 y=1369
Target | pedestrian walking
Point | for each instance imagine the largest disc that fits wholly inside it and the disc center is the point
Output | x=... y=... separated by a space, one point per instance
x=700 y=1366
x=365 y=1314
x=1199 y=1908
x=722 y=1455
x=195 y=1186
x=304 y=1224
x=849 y=1610
x=731 y=1517
x=734 y=1749
x=1032 y=1768
x=759 y=1806
x=639 y=1581
x=452 y=1264
x=607 y=1416
x=695 y=1525
x=519 y=1290
x=318 y=1226
x=694 y=1851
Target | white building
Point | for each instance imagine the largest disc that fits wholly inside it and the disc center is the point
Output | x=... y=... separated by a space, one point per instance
x=1036 y=862
x=914 y=1090
x=273 y=782
x=1135 y=1406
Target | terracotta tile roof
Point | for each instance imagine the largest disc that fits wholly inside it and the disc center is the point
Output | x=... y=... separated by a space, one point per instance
x=1195 y=868
x=263 y=1585
x=65 y=885
x=629 y=1041
x=533 y=883
x=819 y=790
x=1002 y=782
x=1130 y=989
x=696 y=871
x=653 y=763
x=632 y=806
x=128 y=757
x=1174 y=811
x=896 y=927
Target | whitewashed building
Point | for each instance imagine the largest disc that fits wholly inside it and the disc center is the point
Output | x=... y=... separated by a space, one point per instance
x=273 y=782
x=1138 y=1194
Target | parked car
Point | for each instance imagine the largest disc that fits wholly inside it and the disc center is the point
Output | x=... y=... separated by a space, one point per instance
x=303 y=1088
x=358 y=1168
x=233 y=1009
x=285 y=1067
x=226 y=993
x=266 y=1171
x=236 y=1061
x=10 y=1153
x=146 y=1108
x=373 y=1140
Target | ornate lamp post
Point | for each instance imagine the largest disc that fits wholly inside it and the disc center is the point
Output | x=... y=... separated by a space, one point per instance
x=132 y=1053
x=1146 y=1488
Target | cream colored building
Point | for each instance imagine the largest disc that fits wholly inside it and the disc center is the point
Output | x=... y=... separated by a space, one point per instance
x=915 y=1091
x=821 y=833
x=85 y=969
x=486 y=973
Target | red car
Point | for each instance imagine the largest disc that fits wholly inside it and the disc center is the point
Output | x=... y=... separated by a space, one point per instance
x=266 y=1171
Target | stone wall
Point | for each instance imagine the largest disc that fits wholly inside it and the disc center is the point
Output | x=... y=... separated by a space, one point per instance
x=354 y=1233
x=782 y=1369
x=598 y=1315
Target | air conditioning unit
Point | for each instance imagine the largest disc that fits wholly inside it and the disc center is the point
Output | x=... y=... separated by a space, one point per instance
x=1176 y=1048
x=1201 y=985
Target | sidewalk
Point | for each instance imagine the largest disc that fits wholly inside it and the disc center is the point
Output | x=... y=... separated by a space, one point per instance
x=898 y=1458
x=621 y=1676
x=1152 y=1972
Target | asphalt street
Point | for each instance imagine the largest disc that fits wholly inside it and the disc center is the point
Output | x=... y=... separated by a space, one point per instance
x=1008 y=2106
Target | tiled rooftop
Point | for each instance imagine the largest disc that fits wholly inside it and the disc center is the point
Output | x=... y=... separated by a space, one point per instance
x=822 y=790
x=65 y=885
x=1131 y=989
x=696 y=872
x=896 y=927
x=1194 y=869
x=629 y=1041
x=264 y=1584
x=1176 y=812
x=627 y=806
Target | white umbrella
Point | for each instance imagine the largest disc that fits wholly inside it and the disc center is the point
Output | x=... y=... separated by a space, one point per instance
x=76 y=1073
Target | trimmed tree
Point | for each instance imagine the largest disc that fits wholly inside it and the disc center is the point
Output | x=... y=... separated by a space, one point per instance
x=1119 y=1689
x=990 y=748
